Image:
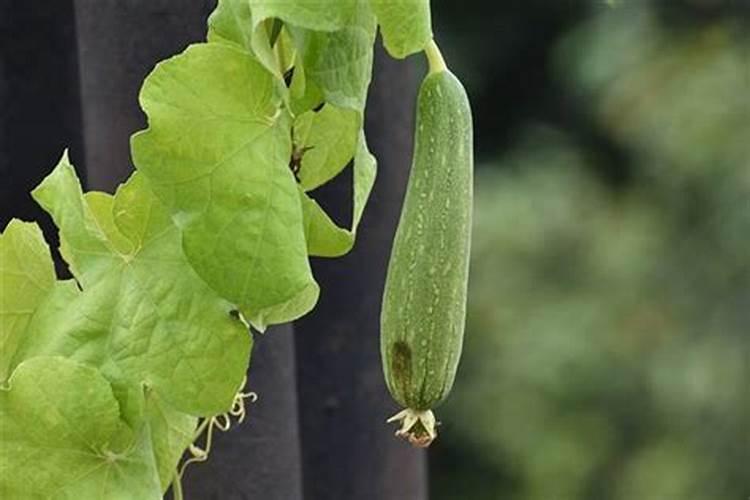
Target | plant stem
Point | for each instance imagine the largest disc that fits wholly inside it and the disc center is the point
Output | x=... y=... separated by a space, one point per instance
x=177 y=486
x=435 y=58
x=201 y=429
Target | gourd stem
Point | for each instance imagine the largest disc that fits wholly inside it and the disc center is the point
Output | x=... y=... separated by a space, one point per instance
x=435 y=58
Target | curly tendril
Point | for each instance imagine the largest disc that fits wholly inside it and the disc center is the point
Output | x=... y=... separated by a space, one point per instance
x=223 y=423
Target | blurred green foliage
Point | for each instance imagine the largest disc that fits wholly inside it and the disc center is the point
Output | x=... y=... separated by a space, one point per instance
x=607 y=351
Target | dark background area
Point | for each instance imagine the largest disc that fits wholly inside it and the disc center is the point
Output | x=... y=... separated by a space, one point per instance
x=607 y=352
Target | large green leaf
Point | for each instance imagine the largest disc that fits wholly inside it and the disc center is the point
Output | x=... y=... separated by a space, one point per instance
x=148 y=319
x=335 y=60
x=264 y=50
x=63 y=438
x=231 y=22
x=335 y=66
x=171 y=433
x=26 y=277
x=27 y=287
x=406 y=25
x=340 y=62
x=324 y=15
x=217 y=153
x=329 y=140
x=335 y=39
x=324 y=237
x=304 y=95
x=101 y=207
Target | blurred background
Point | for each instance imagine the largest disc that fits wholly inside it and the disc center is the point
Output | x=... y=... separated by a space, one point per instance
x=607 y=352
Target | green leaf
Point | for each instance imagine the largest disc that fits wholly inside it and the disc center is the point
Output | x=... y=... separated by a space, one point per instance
x=91 y=255
x=148 y=318
x=340 y=62
x=264 y=51
x=335 y=43
x=333 y=135
x=231 y=22
x=324 y=15
x=324 y=237
x=285 y=50
x=217 y=153
x=101 y=206
x=305 y=95
x=171 y=433
x=365 y=170
x=63 y=437
x=25 y=269
x=329 y=139
x=321 y=15
x=406 y=25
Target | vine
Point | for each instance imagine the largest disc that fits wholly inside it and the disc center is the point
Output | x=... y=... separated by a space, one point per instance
x=109 y=378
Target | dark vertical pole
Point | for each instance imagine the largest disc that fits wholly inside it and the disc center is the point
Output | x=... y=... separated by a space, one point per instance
x=39 y=108
x=119 y=43
x=348 y=450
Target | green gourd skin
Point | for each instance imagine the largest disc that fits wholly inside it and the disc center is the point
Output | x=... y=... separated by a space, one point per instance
x=424 y=303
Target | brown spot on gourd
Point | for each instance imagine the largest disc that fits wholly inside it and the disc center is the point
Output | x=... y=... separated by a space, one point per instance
x=401 y=365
